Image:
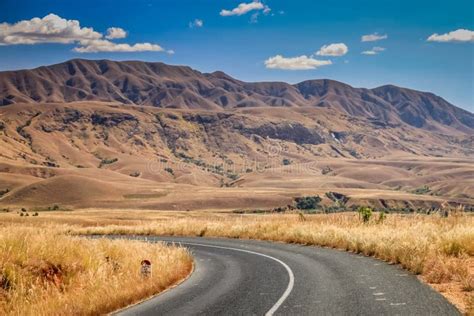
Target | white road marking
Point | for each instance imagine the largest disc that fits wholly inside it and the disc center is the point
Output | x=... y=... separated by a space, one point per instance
x=378 y=294
x=381 y=299
x=397 y=304
x=291 y=282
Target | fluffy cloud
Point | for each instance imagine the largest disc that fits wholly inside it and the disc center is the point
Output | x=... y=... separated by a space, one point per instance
x=54 y=29
x=115 y=32
x=244 y=8
x=96 y=46
x=50 y=29
x=295 y=63
x=196 y=23
x=337 y=49
x=461 y=35
x=373 y=37
x=374 y=51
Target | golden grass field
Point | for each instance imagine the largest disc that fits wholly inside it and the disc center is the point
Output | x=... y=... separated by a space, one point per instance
x=440 y=250
x=45 y=272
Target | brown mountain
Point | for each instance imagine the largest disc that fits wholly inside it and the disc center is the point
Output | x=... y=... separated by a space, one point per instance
x=151 y=135
x=166 y=86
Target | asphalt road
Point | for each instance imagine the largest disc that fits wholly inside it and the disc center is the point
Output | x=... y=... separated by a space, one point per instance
x=245 y=277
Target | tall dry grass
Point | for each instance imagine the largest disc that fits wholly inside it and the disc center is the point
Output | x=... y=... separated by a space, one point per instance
x=440 y=249
x=44 y=272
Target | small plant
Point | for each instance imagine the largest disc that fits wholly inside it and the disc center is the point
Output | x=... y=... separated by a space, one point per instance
x=365 y=213
x=307 y=202
x=35 y=214
x=286 y=162
x=3 y=192
x=169 y=170
x=23 y=210
x=301 y=217
x=381 y=217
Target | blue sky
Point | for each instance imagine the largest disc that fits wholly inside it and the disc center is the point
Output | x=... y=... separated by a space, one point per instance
x=256 y=45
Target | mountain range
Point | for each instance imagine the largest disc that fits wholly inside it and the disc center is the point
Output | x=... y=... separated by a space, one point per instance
x=138 y=134
x=166 y=86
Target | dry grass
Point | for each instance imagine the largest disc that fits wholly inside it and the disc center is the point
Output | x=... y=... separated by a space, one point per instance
x=44 y=272
x=440 y=250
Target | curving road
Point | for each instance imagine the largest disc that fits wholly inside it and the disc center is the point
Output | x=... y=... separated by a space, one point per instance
x=246 y=277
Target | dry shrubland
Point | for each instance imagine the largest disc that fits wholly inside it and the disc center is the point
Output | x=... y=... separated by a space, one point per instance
x=44 y=272
x=440 y=250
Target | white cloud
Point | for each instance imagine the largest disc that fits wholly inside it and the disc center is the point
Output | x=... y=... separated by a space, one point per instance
x=54 y=29
x=460 y=35
x=244 y=8
x=374 y=51
x=196 y=23
x=295 y=63
x=115 y=32
x=50 y=29
x=337 y=49
x=373 y=37
x=96 y=46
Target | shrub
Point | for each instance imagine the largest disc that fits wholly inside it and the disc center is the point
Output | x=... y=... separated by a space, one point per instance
x=381 y=217
x=286 y=162
x=107 y=161
x=365 y=213
x=422 y=190
x=307 y=202
x=326 y=170
x=169 y=170
x=135 y=174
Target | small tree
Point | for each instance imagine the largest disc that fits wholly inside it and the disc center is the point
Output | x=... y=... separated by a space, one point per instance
x=365 y=213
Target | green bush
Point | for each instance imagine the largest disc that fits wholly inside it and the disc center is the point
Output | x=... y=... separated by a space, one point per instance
x=307 y=202
x=169 y=170
x=365 y=213
x=286 y=162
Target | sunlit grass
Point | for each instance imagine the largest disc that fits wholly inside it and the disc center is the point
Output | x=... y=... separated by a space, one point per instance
x=44 y=272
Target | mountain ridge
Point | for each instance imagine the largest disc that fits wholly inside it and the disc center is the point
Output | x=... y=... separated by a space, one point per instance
x=168 y=86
